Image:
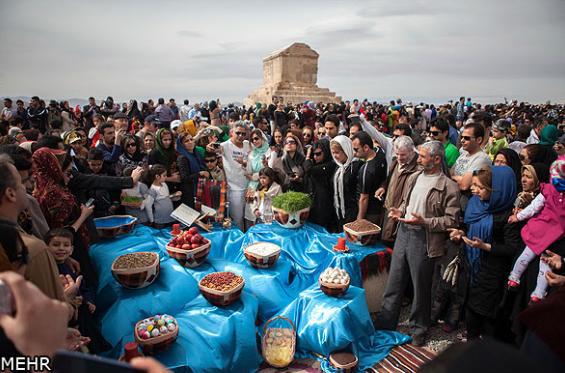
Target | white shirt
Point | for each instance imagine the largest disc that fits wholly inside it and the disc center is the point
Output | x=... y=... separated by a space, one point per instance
x=468 y=163
x=422 y=186
x=235 y=172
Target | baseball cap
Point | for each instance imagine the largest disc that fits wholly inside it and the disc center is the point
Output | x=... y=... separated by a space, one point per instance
x=175 y=124
x=502 y=125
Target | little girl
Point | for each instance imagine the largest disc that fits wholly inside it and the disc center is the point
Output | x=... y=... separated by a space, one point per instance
x=269 y=186
x=159 y=205
x=546 y=226
x=141 y=192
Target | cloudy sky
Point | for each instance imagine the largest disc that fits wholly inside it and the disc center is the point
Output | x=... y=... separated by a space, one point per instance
x=418 y=50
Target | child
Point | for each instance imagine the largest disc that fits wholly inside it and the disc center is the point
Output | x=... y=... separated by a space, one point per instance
x=546 y=226
x=105 y=203
x=141 y=191
x=159 y=205
x=269 y=186
x=60 y=244
x=498 y=140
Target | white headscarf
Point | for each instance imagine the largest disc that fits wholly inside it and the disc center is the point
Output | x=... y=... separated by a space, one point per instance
x=339 y=197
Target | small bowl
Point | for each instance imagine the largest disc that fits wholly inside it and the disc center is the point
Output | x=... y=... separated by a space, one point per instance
x=262 y=261
x=190 y=258
x=291 y=220
x=152 y=345
x=111 y=226
x=222 y=298
x=137 y=278
x=333 y=290
x=364 y=238
x=344 y=361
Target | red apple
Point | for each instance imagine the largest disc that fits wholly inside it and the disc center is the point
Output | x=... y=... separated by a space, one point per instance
x=195 y=245
x=193 y=230
x=195 y=239
x=188 y=238
x=186 y=246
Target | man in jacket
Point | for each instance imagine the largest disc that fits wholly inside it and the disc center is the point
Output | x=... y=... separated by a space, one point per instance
x=394 y=187
x=430 y=205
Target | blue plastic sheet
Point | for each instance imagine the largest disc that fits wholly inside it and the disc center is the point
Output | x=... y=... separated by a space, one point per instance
x=224 y=339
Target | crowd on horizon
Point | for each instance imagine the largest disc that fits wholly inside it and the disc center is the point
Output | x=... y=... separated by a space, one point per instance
x=469 y=198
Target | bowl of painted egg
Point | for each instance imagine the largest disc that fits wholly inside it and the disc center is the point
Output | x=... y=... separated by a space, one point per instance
x=334 y=281
x=156 y=333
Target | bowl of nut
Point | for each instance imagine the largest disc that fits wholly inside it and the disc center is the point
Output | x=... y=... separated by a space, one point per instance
x=189 y=248
x=136 y=270
x=156 y=333
x=334 y=281
x=262 y=254
x=221 y=288
x=361 y=232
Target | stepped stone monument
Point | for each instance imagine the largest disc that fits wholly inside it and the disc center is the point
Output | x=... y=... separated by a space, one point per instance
x=290 y=75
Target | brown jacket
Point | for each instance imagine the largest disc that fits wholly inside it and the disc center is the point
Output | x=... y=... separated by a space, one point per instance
x=397 y=190
x=442 y=211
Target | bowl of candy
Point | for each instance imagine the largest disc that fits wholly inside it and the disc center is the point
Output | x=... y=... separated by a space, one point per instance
x=221 y=288
x=334 y=281
x=262 y=254
x=189 y=248
x=361 y=232
x=111 y=226
x=136 y=270
x=279 y=342
x=156 y=333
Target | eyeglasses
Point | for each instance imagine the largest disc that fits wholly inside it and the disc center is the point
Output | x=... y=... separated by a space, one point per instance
x=210 y=160
x=317 y=154
x=467 y=138
x=255 y=139
x=290 y=142
x=240 y=133
x=131 y=145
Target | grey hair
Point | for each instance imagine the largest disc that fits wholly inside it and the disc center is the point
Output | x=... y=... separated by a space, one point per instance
x=404 y=142
x=434 y=147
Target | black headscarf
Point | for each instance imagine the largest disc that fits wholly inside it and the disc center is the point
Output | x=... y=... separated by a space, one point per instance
x=542 y=172
x=324 y=145
x=514 y=163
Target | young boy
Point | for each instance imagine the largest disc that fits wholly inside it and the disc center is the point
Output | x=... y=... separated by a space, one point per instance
x=105 y=203
x=498 y=140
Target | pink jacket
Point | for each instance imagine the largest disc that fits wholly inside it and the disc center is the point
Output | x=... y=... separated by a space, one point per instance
x=548 y=226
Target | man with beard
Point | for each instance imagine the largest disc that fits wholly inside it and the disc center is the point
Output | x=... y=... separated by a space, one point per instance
x=110 y=144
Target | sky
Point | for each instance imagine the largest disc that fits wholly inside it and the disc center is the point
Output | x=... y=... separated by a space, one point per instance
x=419 y=50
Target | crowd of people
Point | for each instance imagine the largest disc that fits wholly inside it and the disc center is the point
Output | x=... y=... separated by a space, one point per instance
x=469 y=198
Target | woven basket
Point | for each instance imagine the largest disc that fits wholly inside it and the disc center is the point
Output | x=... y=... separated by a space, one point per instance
x=266 y=333
x=127 y=224
x=156 y=344
x=222 y=298
x=344 y=367
x=291 y=220
x=262 y=261
x=190 y=258
x=362 y=238
x=333 y=290
x=137 y=278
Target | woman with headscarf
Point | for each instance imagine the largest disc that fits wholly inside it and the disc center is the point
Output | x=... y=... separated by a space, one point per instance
x=536 y=153
x=345 y=198
x=133 y=112
x=191 y=167
x=508 y=157
x=490 y=245
x=319 y=183
x=293 y=162
x=165 y=155
x=131 y=156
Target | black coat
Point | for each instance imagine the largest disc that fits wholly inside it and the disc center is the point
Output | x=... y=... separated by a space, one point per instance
x=350 y=192
x=487 y=293
x=188 y=182
x=319 y=185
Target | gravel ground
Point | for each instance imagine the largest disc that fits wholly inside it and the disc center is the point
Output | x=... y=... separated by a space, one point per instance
x=438 y=340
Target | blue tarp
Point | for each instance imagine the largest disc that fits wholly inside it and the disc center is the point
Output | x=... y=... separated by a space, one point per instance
x=225 y=339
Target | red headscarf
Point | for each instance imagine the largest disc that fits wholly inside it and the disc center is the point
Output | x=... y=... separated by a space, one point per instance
x=58 y=204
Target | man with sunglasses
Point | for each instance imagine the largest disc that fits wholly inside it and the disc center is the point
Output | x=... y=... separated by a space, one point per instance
x=234 y=159
x=472 y=157
x=439 y=131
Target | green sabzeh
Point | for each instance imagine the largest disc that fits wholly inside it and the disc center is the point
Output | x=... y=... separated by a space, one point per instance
x=292 y=202
x=131 y=199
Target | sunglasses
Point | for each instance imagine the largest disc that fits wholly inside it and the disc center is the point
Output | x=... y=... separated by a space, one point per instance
x=306 y=135
x=255 y=138
x=467 y=138
x=317 y=154
x=240 y=133
x=131 y=145
x=210 y=160
x=290 y=142
x=434 y=133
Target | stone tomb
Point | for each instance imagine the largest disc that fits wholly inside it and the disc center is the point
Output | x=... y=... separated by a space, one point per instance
x=290 y=75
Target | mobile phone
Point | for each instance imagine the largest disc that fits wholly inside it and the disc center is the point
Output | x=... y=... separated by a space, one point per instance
x=6 y=299
x=71 y=362
x=89 y=202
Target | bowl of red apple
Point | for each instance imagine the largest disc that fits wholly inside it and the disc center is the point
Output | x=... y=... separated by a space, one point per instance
x=189 y=248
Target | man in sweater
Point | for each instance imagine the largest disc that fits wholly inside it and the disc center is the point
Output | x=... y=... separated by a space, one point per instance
x=110 y=145
x=429 y=207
